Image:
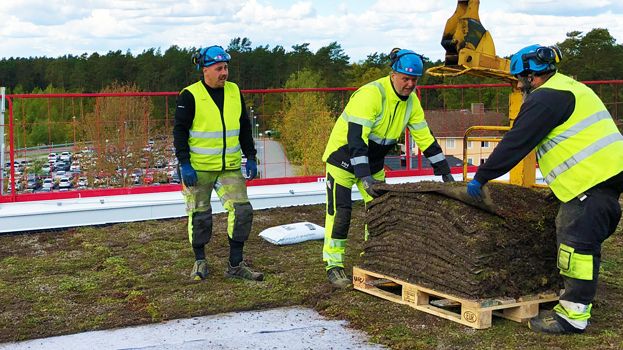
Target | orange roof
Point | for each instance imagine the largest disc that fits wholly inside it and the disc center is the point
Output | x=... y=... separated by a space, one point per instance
x=454 y=123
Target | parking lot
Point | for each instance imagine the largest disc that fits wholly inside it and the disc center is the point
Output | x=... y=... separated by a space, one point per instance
x=86 y=168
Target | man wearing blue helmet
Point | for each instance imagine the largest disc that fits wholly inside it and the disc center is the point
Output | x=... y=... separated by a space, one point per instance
x=580 y=154
x=211 y=128
x=369 y=127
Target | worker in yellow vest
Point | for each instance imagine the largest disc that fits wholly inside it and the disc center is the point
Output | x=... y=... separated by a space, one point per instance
x=580 y=155
x=370 y=126
x=211 y=129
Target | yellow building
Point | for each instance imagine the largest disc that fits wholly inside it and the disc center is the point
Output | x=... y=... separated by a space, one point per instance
x=449 y=128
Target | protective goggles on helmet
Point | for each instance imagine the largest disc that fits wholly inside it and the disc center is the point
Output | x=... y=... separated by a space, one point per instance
x=543 y=55
x=208 y=56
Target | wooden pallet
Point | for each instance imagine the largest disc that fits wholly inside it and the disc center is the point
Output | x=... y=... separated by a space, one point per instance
x=473 y=313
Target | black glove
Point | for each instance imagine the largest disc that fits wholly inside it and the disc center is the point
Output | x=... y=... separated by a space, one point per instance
x=447 y=177
x=368 y=182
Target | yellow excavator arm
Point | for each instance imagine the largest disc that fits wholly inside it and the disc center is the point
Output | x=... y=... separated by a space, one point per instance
x=470 y=50
x=469 y=46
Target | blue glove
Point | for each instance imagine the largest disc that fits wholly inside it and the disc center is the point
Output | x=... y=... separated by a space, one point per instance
x=251 y=168
x=189 y=175
x=474 y=190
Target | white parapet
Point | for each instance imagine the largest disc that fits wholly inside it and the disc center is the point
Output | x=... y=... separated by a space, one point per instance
x=62 y=213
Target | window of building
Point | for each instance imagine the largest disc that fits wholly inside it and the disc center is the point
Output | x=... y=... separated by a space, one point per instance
x=449 y=143
x=470 y=161
x=482 y=161
x=469 y=144
x=484 y=144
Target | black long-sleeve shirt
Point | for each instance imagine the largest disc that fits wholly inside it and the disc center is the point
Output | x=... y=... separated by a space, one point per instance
x=185 y=114
x=542 y=111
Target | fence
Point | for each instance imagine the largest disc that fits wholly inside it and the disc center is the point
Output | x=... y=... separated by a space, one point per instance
x=81 y=145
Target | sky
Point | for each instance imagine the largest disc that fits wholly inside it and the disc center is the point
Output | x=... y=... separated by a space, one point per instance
x=53 y=28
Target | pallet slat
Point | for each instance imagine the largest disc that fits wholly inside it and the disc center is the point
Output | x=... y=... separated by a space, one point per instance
x=473 y=313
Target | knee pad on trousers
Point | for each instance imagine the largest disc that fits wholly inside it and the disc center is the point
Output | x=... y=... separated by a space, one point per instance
x=201 y=228
x=573 y=264
x=341 y=223
x=243 y=213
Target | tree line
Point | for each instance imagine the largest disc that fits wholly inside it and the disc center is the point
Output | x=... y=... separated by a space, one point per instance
x=304 y=120
x=587 y=56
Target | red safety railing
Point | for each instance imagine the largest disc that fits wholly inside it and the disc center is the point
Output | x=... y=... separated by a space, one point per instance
x=121 y=143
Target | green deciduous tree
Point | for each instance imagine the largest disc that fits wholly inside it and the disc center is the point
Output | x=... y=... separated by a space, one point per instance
x=306 y=124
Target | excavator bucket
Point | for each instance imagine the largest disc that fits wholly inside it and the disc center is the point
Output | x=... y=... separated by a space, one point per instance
x=447 y=40
x=469 y=46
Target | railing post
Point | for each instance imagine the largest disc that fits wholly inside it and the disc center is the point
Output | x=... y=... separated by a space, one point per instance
x=2 y=93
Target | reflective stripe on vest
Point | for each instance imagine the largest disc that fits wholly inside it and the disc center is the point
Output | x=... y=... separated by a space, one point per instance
x=381 y=140
x=215 y=151
x=214 y=139
x=585 y=150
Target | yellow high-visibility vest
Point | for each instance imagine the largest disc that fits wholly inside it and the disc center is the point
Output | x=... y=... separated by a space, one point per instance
x=383 y=117
x=213 y=140
x=585 y=150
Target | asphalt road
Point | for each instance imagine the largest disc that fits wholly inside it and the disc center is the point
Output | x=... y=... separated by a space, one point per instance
x=273 y=160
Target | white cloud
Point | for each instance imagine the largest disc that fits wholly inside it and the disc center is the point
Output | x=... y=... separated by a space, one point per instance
x=361 y=27
x=53 y=12
x=566 y=8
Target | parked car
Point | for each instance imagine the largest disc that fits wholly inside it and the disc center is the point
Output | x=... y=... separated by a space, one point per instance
x=75 y=167
x=47 y=185
x=83 y=182
x=59 y=174
x=61 y=165
x=52 y=157
x=64 y=183
x=33 y=184
x=66 y=157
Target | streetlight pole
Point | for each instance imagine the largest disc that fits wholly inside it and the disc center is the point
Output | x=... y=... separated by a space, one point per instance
x=74 y=127
x=253 y=127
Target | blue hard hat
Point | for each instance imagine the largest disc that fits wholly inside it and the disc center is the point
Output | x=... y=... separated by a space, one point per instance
x=535 y=59
x=207 y=56
x=406 y=62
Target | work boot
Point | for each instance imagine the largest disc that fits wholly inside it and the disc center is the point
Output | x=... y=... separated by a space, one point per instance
x=200 y=270
x=550 y=322
x=244 y=272
x=338 y=277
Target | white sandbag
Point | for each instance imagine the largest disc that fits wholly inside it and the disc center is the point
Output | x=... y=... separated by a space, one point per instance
x=293 y=233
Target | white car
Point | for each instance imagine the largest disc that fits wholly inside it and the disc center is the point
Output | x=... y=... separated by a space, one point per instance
x=60 y=174
x=66 y=157
x=47 y=185
x=52 y=157
x=64 y=183
x=83 y=182
x=75 y=167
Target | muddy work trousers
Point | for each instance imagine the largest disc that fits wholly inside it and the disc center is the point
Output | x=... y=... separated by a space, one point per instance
x=339 y=183
x=230 y=187
x=581 y=228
